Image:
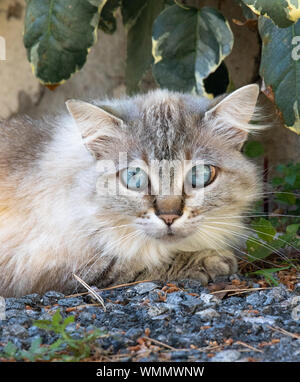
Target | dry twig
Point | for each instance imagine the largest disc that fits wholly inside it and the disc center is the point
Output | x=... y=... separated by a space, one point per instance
x=93 y=293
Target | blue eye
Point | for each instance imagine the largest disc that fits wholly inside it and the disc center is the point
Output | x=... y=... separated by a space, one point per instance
x=134 y=178
x=200 y=176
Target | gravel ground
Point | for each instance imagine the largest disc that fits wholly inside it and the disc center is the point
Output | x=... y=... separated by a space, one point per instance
x=180 y=321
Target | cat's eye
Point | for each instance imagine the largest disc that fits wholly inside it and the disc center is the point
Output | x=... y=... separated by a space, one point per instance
x=200 y=176
x=134 y=178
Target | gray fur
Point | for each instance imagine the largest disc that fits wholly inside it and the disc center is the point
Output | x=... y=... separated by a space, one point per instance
x=54 y=221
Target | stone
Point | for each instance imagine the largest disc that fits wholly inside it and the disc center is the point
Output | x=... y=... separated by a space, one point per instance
x=14 y=303
x=297 y=289
x=146 y=287
x=134 y=333
x=191 y=304
x=31 y=299
x=157 y=310
x=15 y=330
x=226 y=356
x=69 y=302
x=255 y=299
x=174 y=298
x=267 y=320
x=209 y=299
x=208 y=314
x=51 y=297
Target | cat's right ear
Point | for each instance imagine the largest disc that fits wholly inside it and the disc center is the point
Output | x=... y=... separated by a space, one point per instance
x=231 y=116
x=95 y=124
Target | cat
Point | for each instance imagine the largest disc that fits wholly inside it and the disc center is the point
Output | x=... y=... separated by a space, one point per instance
x=60 y=214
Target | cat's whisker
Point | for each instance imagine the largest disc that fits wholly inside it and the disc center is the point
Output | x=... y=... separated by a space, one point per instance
x=239 y=250
x=95 y=256
x=255 y=231
x=277 y=192
x=105 y=228
x=109 y=250
x=211 y=240
x=251 y=216
x=243 y=236
x=112 y=228
x=100 y=253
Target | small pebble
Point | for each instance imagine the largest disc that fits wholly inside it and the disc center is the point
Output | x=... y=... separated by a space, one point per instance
x=143 y=288
x=226 y=356
x=208 y=314
x=187 y=319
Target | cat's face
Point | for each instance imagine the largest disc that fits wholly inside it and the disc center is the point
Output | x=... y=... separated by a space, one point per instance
x=172 y=161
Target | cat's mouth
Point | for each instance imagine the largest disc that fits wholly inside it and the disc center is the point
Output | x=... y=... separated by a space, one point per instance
x=170 y=235
x=164 y=232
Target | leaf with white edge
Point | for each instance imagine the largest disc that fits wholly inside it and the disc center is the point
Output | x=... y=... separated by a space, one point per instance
x=280 y=69
x=283 y=12
x=138 y=16
x=189 y=45
x=58 y=35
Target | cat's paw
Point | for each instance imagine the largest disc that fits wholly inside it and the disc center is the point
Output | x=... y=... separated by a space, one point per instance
x=199 y=275
x=219 y=264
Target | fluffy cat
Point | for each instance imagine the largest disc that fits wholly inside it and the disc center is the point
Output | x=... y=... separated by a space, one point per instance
x=58 y=218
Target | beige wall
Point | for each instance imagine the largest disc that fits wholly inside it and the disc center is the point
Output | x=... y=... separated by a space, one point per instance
x=103 y=74
x=20 y=91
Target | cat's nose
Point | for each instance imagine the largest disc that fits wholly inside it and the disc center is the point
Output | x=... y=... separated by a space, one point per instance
x=168 y=218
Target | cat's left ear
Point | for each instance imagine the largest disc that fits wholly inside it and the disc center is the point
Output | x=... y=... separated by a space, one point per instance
x=231 y=116
x=95 y=124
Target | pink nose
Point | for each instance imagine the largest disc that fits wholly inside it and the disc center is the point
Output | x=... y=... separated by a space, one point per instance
x=168 y=219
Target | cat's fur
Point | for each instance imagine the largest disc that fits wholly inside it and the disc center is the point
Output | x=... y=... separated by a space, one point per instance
x=54 y=221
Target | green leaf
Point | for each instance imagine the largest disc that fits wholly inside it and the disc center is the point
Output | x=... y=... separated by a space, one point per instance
x=189 y=45
x=58 y=35
x=282 y=12
x=290 y=179
x=277 y=181
x=138 y=17
x=10 y=350
x=107 y=21
x=68 y=321
x=36 y=344
x=288 y=198
x=280 y=68
x=56 y=319
x=43 y=324
x=268 y=274
x=264 y=229
x=253 y=149
x=293 y=228
x=281 y=168
x=257 y=250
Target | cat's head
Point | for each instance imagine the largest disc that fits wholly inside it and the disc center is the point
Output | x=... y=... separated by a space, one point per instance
x=192 y=144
